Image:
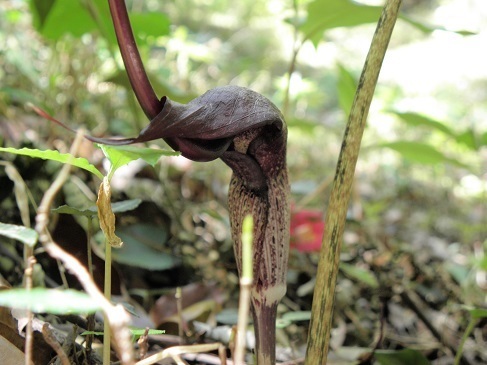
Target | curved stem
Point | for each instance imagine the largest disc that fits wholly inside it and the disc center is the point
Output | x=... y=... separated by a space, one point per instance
x=141 y=85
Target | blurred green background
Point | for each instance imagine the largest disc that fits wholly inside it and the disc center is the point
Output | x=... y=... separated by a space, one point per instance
x=419 y=213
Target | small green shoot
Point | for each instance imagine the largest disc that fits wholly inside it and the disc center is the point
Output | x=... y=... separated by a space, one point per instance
x=136 y=332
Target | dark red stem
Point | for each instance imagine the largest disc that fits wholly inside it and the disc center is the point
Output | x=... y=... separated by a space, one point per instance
x=141 y=85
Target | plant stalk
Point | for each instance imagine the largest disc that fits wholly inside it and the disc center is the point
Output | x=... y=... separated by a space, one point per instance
x=139 y=80
x=245 y=290
x=324 y=295
x=107 y=291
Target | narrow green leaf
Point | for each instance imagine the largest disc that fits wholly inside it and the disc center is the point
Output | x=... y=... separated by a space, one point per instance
x=141 y=331
x=150 y=24
x=125 y=205
x=290 y=317
x=347 y=84
x=477 y=313
x=122 y=155
x=360 y=274
x=55 y=156
x=66 y=209
x=422 y=153
x=134 y=331
x=415 y=120
x=297 y=316
x=26 y=235
x=40 y=300
x=118 y=207
x=431 y=28
x=402 y=357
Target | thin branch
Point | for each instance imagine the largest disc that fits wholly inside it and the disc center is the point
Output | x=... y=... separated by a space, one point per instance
x=324 y=295
x=51 y=341
x=29 y=332
x=141 y=85
x=117 y=316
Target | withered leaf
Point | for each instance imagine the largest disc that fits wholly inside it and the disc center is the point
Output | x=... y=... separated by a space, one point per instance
x=105 y=214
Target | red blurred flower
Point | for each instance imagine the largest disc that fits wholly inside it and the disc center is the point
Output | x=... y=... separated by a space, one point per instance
x=307 y=228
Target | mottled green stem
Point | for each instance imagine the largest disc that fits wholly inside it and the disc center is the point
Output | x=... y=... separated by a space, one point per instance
x=324 y=295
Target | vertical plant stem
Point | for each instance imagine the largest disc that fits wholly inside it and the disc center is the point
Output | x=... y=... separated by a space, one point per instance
x=179 y=305
x=29 y=333
x=324 y=295
x=91 y=317
x=471 y=326
x=245 y=290
x=89 y=234
x=118 y=317
x=107 y=291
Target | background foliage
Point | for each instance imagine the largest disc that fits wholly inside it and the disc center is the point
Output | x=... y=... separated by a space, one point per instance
x=418 y=225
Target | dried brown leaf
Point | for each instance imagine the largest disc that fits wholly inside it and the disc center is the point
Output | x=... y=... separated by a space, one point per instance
x=105 y=214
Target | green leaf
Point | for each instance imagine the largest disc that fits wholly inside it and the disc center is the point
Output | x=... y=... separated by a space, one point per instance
x=55 y=18
x=118 y=207
x=66 y=209
x=125 y=205
x=75 y=18
x=55 y=156
x=150 y=24
x=347 y=85
x=40 y=10
x=122 y=155
x=328 y=14
x=430 y=28
x=26 y=235
x=416 y=120
x=477 y=313
x=290 y=317
x=142 y=248
x=402 y=357
x=458 y=272
x=160 y=86
x=141 y=331
x=468 y=139
x=304 y=125
x=228 y=316
x=483 y=139
x=422 y=153
x=40 y=300
x=297 y=316
x=360 y=274
x=135 y=332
